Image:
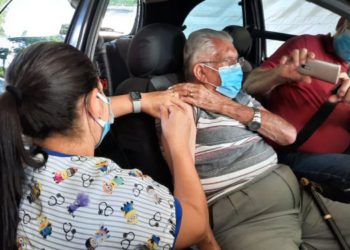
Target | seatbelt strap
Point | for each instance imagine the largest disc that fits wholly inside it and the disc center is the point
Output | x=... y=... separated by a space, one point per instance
x=312 y=125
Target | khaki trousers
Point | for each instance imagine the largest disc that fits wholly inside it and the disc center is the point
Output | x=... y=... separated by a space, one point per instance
x=274 y=213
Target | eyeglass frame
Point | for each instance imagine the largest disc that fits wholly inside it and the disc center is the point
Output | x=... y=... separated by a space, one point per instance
x=229 y=61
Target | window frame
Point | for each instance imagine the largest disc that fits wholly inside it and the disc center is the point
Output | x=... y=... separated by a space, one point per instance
x=256 y=24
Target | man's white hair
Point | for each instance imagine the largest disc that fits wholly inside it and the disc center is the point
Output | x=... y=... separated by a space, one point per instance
x=199 y=46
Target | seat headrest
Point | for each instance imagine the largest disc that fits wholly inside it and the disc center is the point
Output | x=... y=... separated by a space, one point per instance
x=155 y=50
x=242 y=40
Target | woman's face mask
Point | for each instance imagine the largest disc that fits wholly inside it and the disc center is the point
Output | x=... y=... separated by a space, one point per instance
x=341 y=44
x=106 y=125
x=231 y=79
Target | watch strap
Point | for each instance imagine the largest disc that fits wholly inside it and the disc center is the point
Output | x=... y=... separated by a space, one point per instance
x=136 y=101
x=255 y=123
x=136 y=105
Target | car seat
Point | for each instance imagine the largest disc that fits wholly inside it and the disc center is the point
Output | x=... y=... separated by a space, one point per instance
x=155 y=59
x=111 y=60
x=242 y=40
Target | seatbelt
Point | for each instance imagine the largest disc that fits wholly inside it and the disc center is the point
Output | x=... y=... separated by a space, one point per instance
x=312 y=125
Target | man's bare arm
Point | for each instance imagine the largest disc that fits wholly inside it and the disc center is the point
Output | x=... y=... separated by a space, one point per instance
x=261 y=81
x=272 y=126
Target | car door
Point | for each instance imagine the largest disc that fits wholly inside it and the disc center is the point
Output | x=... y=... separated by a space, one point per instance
x=76 y=22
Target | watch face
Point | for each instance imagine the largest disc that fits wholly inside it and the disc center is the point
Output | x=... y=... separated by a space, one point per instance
x=254 y=126
x=135 y=95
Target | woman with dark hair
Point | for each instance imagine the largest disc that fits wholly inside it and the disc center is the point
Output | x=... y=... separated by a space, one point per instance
x=57 y=195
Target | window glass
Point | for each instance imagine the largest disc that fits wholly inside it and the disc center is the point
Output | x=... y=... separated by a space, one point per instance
x=296 y=17
x=214 y=14
x=119 y=18
x=22 y=24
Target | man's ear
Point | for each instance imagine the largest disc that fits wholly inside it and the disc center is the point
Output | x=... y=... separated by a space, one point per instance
x=199 y=73
x=94 y=104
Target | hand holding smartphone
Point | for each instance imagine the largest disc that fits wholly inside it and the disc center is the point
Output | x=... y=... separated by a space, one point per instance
x=320 y=69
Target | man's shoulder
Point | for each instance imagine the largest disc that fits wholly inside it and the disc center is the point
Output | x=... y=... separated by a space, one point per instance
x=314 y=43
x=307 y=40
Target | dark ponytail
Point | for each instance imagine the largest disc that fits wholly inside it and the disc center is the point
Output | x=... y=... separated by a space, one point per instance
x=12 y=157
x=44 y=84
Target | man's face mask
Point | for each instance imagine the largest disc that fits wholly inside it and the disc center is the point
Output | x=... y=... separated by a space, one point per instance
x=106 y=125
x=231 y=79
x=341 y=44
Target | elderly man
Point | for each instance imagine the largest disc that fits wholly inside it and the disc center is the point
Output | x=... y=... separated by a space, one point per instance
x=254 y=202
x=297 y=97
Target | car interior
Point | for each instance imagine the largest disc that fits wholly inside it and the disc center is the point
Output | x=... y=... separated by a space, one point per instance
x=154 y=62
x=148 y=56
x=150 y=59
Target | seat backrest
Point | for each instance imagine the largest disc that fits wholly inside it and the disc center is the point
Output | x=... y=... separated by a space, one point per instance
x=155 y=59
x=242 y=40
x=113 y=58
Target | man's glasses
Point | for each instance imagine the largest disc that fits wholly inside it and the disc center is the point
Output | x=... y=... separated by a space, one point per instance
x=227 y=61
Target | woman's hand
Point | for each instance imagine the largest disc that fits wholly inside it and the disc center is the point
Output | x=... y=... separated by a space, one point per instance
x=178 y=129
x=178 y=137
x=199 y=96
x=151 y=101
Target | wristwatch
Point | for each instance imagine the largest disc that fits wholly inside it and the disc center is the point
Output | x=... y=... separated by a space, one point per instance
x=136 y=101
x=255 y=123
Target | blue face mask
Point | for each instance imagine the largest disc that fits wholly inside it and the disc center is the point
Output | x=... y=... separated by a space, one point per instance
x=106 y=125
x=231 y=80
x=341 y=44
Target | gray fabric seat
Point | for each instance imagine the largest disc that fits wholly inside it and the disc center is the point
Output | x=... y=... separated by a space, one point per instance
x=242 y=40
x=155 y=62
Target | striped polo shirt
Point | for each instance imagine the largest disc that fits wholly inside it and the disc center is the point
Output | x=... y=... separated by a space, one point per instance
x=227 y=154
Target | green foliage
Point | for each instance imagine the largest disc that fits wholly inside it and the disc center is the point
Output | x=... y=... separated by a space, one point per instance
x=23 y=42
x=123 y=2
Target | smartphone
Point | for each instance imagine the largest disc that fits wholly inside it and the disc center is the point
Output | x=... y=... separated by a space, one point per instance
x=320 y=69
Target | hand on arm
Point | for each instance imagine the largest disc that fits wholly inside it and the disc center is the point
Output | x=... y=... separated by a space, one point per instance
x=272 y=126
x=178 y=138
x=261 y=81
x=199 y=96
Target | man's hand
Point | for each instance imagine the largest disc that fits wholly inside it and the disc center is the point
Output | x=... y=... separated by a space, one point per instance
x=342 y=93
x=199 y=96
x=272 y=126
x=288 y=68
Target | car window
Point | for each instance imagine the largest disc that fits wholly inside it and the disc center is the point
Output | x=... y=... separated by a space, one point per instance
x=296 y=17
x=214 y=14
x=22 y=24
x=119 y=18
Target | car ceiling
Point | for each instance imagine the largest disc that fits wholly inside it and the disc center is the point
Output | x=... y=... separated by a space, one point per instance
x=340 y=7
x=171 y=11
